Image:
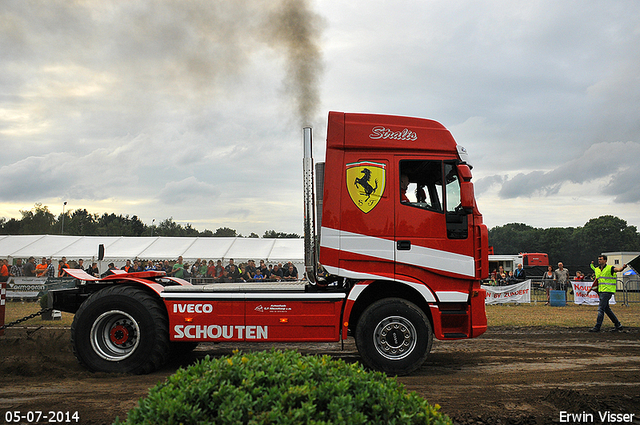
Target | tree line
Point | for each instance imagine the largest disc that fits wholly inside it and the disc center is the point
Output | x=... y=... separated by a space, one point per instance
x=40 y=221
x=573 y=246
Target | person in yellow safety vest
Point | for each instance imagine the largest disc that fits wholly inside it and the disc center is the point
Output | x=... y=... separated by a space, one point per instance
x=606 y=284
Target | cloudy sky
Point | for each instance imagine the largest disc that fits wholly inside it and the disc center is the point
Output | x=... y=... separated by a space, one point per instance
x=193 y=109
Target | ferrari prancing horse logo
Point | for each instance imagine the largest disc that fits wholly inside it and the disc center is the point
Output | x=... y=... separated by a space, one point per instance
x=365 y=183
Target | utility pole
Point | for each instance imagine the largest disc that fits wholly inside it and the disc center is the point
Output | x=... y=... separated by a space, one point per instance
x=63 y=205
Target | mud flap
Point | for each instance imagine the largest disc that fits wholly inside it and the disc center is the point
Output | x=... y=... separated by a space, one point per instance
x=478 y=312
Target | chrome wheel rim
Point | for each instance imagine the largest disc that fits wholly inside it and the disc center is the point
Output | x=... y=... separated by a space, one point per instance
x=115 y=335
x=394 y=337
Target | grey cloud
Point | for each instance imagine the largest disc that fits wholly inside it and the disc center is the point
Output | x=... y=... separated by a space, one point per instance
x=188 y=190
x=483 y=184
x=535 y=182
x=623 y=184
x=238 y=213
x=95 y=175
x=31 y=178
x=617 y=162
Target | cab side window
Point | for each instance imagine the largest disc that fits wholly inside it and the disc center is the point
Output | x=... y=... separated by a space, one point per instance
x=435 y=186
x=452 y=188
x=421 y=184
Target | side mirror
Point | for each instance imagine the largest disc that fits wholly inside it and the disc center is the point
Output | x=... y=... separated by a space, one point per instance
x=467 y=197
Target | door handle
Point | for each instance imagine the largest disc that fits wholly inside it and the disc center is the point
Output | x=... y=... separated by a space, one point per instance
x=403 y=245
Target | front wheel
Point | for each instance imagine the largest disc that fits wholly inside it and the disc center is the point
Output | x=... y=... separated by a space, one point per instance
x=394 y=336
x=121 y=329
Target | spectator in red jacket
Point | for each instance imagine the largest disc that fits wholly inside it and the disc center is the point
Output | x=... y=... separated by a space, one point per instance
x=4 y=271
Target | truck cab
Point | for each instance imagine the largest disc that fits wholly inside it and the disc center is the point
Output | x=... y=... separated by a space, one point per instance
x=399 y=219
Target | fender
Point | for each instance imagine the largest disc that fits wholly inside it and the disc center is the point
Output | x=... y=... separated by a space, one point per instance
x=157 y=288
x=142 y=278
x=349 y=303
x=424 y=291
x=70 y=299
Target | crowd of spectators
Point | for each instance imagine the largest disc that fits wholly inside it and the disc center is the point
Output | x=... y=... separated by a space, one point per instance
x=201 y=271
x=501 y=277
x=44 y=268
x=551 y=279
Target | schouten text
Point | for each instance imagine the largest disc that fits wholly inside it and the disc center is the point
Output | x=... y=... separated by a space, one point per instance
x=208 y=332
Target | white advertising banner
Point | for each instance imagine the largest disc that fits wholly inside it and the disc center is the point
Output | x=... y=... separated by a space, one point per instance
x=582 y=295
x=35 y=287
x=516 y=293
x=25 y=287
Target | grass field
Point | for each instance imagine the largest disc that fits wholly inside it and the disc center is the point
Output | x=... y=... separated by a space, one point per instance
x=497 y=315
x=17 y=309
x=571 y=315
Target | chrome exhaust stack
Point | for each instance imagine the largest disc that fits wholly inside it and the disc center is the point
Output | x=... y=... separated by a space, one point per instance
x=310 y=251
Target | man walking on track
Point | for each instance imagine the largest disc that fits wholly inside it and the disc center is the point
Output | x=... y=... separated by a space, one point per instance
x=605 y=283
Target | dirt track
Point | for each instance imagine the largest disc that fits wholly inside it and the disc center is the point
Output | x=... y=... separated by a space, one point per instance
x=508 y=375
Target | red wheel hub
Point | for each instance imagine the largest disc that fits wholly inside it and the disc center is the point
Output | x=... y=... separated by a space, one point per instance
x=119 y=334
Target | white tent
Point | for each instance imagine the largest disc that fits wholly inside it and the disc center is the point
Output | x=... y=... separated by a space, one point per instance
x=83 y=247
x=118 y=249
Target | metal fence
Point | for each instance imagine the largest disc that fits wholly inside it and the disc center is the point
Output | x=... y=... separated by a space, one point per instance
x=631 y=289
x=539 y=292
x=628 y=290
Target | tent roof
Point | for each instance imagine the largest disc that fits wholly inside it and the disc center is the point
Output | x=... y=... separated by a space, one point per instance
x=204 y=248
x=83 y=247
x=44 y=246
x=119 y=248
x=11 y=244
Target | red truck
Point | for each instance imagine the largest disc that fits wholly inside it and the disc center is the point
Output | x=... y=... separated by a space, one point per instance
x=402 y=250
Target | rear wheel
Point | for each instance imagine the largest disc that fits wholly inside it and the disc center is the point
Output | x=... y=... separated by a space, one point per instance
x=394 y=336
x=121 y=329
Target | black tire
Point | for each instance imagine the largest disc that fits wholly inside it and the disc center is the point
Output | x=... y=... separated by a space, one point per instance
x=121 y=329
x=394 y=336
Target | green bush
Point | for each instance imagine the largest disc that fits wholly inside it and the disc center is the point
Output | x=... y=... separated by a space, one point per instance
x=281 y=387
